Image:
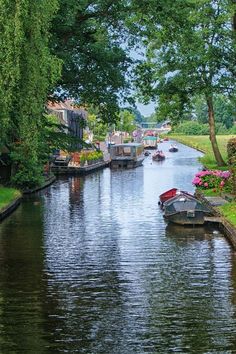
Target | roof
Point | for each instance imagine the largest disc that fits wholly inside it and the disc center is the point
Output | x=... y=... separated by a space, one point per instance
x=127 y=144
x=67 y=105
x=150 y=137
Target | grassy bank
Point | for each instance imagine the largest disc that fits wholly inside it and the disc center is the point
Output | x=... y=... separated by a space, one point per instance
x=8 y=195
x=229 y=212
x=202 y=143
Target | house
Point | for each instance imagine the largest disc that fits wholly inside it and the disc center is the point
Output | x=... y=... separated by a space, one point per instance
x=70 y=116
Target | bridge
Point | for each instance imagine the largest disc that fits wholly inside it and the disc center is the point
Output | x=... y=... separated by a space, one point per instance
x=159 y=128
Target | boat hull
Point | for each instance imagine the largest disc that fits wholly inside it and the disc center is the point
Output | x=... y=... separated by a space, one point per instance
x=158 y=158
x=187 y=218
x=126 y=164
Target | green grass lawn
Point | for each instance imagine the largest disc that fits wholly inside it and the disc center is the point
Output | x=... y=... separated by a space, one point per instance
x=229 y=211
x=8 y=195
x=202 y=143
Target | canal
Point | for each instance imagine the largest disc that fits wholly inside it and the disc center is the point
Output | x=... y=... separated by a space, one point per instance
x=90 y=266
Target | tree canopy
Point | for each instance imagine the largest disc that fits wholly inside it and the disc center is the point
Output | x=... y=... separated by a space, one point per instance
x=89 y=37
x=190 y=51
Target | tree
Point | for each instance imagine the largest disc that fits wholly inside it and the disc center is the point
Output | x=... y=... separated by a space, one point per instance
x=87 y=36
x=190 y=52
x=224 y=110
x=126 y=122
x=27 y=72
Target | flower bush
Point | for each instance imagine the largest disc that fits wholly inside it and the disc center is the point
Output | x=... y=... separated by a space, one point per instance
x=213 y=179
x=90 y=156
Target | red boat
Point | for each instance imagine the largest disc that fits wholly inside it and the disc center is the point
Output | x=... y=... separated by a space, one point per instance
x=168 y=194
x=158 y=156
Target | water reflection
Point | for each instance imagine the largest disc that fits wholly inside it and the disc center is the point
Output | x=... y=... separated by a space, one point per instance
x=90 y=266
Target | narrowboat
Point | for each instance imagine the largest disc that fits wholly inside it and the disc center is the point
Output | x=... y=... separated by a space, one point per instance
x=158 y=156
x=184 y=209
x=150 y=142
x=126 y=155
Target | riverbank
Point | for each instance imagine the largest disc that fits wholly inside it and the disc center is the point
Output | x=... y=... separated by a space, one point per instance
x=224 y=212
x=203 y=144
x=9 y=200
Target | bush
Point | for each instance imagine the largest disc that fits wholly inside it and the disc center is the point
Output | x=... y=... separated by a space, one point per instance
x=231 y=151
x=191 y=128
x=216 y=180
x=233 y=129
x=221 y=129
x=90 y=156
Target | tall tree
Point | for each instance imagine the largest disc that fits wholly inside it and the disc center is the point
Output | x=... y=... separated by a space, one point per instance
x=88 y=36
x=190 y=51
x=27 y=72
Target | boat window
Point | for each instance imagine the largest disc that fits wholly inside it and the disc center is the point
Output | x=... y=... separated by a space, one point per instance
x=127 y=151
x=188 y=205
x=119 y=151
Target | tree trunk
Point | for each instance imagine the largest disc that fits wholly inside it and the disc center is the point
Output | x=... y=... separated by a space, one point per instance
x=211 y=121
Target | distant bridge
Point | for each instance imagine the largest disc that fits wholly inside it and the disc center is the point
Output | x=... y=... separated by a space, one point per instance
x=149 y=125
x=159 y=128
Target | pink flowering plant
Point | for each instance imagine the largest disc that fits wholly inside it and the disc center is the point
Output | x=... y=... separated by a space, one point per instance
x=213 y=179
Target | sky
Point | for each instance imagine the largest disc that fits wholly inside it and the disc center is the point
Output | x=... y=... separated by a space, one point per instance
x=146 y=110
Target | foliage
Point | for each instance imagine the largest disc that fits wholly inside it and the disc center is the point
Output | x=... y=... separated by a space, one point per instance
x=213 y=179
x=231 y=150
x=189 y=53
x=224 y=110
x=96 y=124
x=233 y=130
x=29 y=71
x=191 y=128
x=90 y=156
x=55 y=136
x=126 y=121
x=7 y=196
x=88 y=37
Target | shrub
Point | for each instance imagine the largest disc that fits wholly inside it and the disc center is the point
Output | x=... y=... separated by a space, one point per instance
x=233 y=129
x=191 y=128
x=90 y=156
x=231 y=151
x=216 y=180
x=221 y=129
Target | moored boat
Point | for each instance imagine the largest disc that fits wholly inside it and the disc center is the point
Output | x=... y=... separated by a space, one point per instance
x=150 y=142
x=173 y=148
x=126 y=155
x=184 y=209
x=158 y=156
x=168 y=194
x=147 y=153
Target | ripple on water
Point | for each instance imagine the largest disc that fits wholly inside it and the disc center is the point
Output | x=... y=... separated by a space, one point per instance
x=93 y=268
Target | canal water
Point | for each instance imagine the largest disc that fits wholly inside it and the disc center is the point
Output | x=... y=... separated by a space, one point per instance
x=90 y=266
